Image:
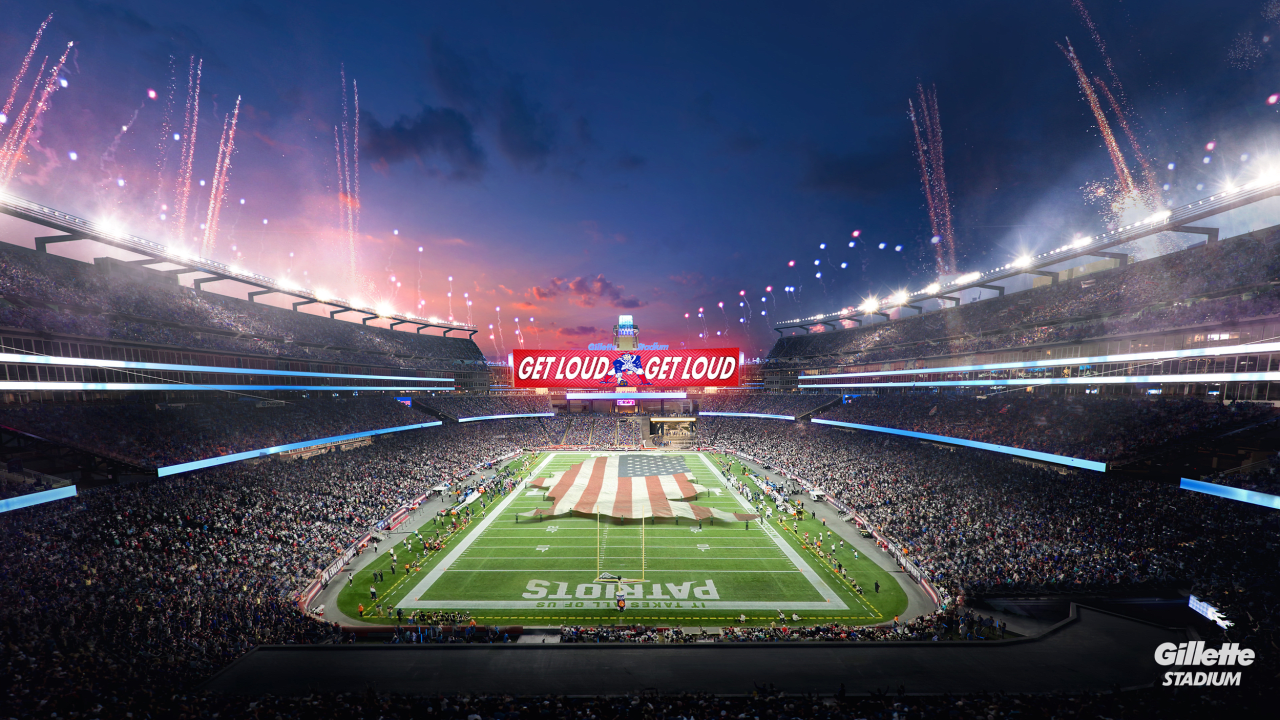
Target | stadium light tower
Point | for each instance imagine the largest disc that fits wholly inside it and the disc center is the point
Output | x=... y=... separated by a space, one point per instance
x=624 y=333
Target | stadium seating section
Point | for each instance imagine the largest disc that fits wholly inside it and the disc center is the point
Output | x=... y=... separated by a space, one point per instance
x=1090 y=427
x=47 y=293
x=1228 y=281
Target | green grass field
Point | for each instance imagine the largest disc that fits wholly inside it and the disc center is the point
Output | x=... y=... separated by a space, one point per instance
x=545 y=572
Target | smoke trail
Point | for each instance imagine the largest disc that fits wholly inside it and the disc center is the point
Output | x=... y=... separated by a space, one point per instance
x=501 y=337
x=22 y=70
x=418 y=287
x=1124 y=179
x=702 y=316
x=467 y=297
x=519 y=335
x=496 y=351
x=190 y=124
x=450 y=295
x=536 y=334
x=688 y=332
x=222 y=170
x=109 y=155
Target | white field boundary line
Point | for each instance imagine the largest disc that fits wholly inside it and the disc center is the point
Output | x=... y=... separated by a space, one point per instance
x=443 y=566
x=835 y=603
x=801 y=568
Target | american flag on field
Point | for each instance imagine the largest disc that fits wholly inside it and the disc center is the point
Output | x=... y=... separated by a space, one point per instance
x=627 y=487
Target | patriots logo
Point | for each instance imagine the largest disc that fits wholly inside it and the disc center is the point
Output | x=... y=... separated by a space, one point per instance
x=628 y=364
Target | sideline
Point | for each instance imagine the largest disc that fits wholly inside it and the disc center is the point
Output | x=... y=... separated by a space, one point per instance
x=443 y=566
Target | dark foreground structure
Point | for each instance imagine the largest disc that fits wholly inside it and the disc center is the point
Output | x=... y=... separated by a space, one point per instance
x=1092 y=651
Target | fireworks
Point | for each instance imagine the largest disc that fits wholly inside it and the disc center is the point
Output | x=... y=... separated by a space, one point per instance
x=933 y=176
x=22 y=71
x=20 y=132
x=348 y=166
x=221 y=172
x=190 y=120
x=1124 y=179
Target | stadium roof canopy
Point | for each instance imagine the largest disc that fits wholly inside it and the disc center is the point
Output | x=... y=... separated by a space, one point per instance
x=1176 y=220
x=75 y=228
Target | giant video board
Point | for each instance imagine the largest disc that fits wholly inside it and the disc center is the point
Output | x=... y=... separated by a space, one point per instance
x=714 y=367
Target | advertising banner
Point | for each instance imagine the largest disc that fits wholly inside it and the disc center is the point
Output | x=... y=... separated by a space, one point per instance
x=611 y=369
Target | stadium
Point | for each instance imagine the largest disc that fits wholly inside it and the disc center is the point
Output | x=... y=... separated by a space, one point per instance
x=1041 y=483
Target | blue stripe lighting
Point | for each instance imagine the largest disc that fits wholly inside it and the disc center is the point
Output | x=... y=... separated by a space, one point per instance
x=504 y=417
x=1232 y=493
x=16 y=503
x=1005 y=449
x=236 y=457
x=187 y=386
x=1095 y=380
x=1131 y=357
x=131 y=365
x=626 y=396
x=749 y=415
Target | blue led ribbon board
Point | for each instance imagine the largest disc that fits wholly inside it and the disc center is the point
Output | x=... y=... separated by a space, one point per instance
x=1005 y=449
x=1232 y=493
x=504 y=417
x=22 y=501
x=236 y=457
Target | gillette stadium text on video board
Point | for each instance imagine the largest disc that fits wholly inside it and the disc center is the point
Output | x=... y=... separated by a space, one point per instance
x=716 y=367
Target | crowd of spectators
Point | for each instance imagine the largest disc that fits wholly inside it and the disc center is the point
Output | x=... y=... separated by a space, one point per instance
x=54 y=294
x=151 y=435
x=981 y=524
x=555 y=428
x=158 y=584
x=581 y=430
x=790 y=404
x=1091 y=427
x=127 y=589
x=1162 y=293
x=630 y=433
x=756 y=699
x=463 y=406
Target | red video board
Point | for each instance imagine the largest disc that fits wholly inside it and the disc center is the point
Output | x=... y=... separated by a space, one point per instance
x=612 y=369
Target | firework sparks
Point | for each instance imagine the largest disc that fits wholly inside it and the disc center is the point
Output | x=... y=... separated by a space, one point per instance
x=1124 y=179
x=927 y=127
x=166 y=131
x=195 y=69
x=1148 y=174
x=50 y=87
x=9 y=151
x=221 y=172
x=346 y=143
x=22 y=70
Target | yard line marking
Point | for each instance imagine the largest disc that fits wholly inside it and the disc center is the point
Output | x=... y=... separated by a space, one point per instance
x=818 y=583
x=441 y=567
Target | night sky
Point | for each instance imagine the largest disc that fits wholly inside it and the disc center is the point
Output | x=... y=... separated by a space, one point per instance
x=573 y=161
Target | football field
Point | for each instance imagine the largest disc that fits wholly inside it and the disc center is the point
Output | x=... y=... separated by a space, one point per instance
x=507 y=568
